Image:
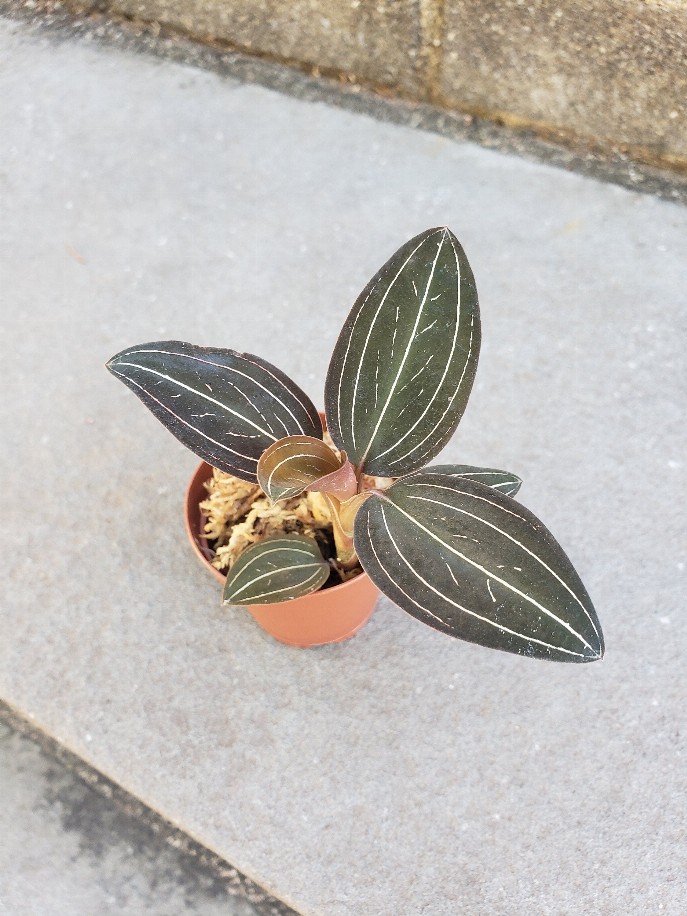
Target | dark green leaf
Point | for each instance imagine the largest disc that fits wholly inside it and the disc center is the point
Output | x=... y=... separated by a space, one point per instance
x=473 y=563
x=225 y=406
x=404 y=363
x=276 y=569
x=502 y=481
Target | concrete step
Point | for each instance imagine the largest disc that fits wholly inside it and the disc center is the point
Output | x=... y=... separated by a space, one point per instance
x=73 y=844
x=607 y=73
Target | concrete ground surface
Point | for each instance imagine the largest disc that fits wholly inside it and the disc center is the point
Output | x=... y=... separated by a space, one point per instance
x=65 y=850
x=401 y=772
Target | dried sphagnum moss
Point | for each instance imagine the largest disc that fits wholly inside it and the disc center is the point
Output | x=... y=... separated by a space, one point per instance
x=239 y=514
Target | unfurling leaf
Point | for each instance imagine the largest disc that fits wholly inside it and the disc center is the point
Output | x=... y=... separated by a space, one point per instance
x=225 y=406
x=471 y=562
x=404 y=363
x=502 y=481
x=341 y=483
x=276 y=569
x=293 y=464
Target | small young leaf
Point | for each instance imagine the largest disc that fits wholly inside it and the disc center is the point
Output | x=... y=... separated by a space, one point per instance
x=502 y=481
x=341 y=483
x=291 y=465
x=276 y=569
x=225 y=406
x=469 y=561
x=404 y=363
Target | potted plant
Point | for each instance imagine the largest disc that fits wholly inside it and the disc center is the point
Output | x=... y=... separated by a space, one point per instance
x=447 y=543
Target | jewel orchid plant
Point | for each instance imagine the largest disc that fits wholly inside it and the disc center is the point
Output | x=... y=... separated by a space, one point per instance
x=447 y=543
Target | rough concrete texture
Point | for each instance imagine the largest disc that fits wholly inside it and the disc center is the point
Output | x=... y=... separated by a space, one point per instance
x=615 y=71
x=401 y=772
x=50 y=17
x=611 y=73
x=67 y=851
x=377 y=43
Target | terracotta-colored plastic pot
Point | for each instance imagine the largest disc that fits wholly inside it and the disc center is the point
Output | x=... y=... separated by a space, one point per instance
x=330 y=615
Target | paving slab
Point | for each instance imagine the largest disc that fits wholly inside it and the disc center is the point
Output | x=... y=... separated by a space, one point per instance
x=401 y=772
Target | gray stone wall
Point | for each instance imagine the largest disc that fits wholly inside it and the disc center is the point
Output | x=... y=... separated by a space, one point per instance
x=609 y=72
x=612 y=70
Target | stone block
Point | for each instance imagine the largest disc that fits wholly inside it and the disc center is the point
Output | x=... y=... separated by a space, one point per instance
x=615 y=71
x=377 y=43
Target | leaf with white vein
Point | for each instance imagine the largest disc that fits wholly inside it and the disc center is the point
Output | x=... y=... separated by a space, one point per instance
x=469 y=561
x=291 y=465
x=404 y=363
x=225 y=406
x=503 y=481
x=276 y=569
